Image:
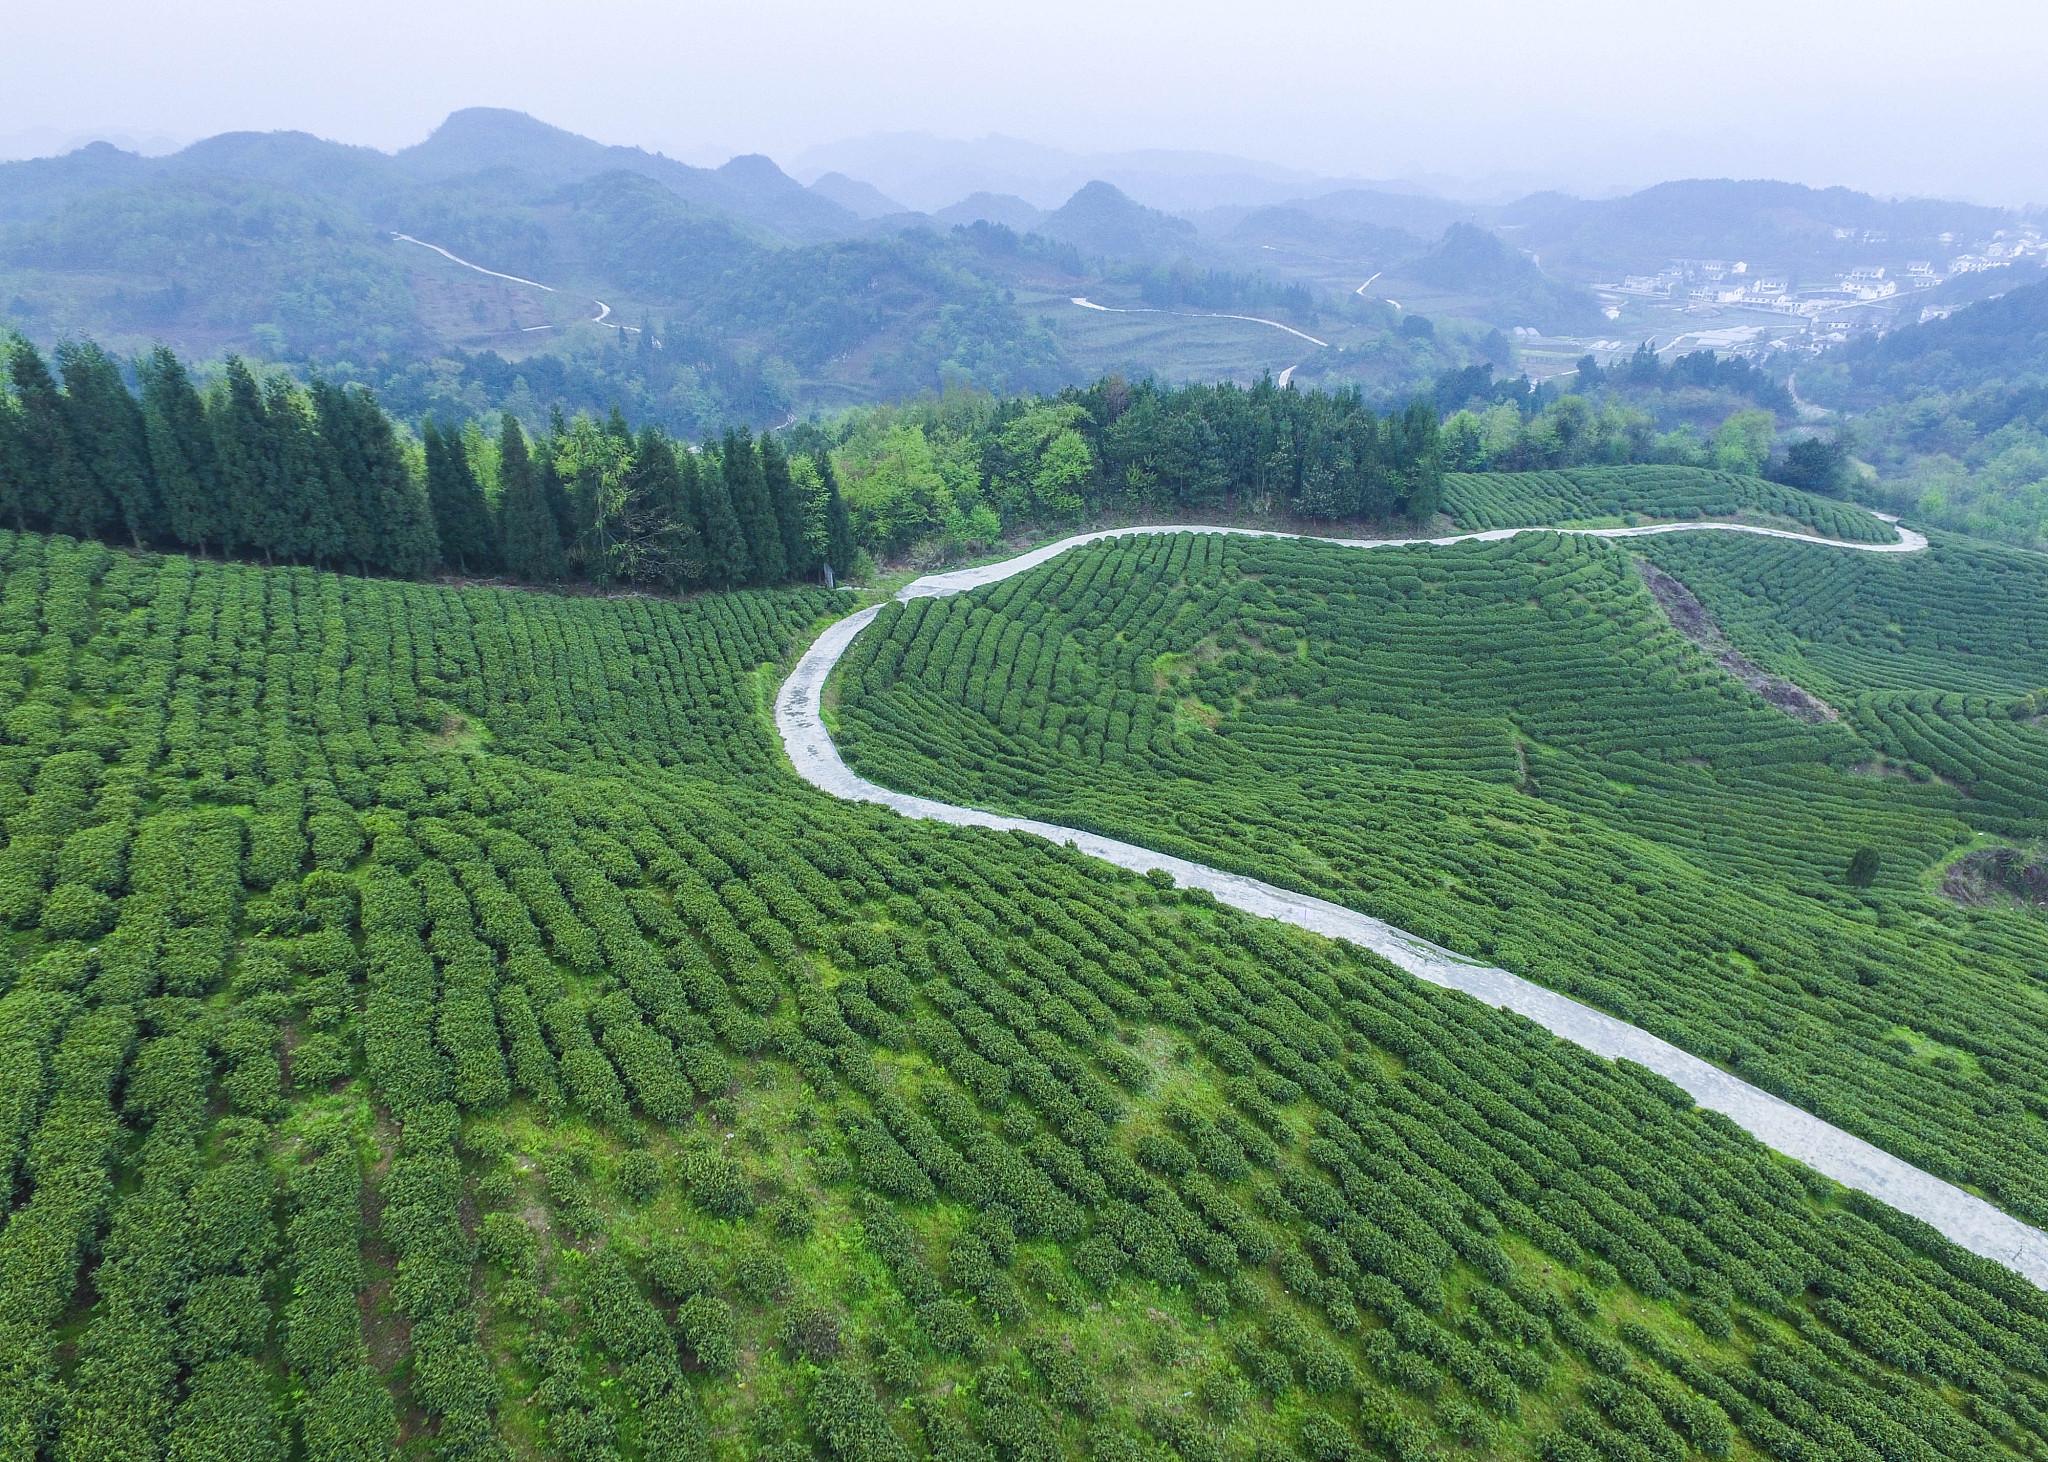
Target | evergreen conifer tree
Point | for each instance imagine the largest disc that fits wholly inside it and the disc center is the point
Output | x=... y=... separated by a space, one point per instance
x=748 y=489
x=839 y=544
x=181 y=453
x=461 y=517
x=405 y=540
x=12 y=481
x=53 y=480
x=239 y=447
x=527 y=528
x=345 y=469
x=726 y=561
x=788 y=508
x=668 y=552
x=113 y=448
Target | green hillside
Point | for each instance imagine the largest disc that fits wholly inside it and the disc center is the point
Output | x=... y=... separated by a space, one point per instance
x=437 y=1023
x=1508 y=748
x=1613 y=496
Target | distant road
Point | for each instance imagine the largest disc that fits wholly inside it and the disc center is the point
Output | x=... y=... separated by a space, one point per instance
x=1088 y=304
x=603 y=309
x=1805 y=410
x=458 y=259
x=1281 y=380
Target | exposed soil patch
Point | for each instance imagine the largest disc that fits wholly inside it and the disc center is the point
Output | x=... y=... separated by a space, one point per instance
x=1994 y=875
x=1692 y=620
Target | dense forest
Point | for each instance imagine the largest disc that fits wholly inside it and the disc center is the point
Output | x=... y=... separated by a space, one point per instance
x=266 y=469
x=321 y=475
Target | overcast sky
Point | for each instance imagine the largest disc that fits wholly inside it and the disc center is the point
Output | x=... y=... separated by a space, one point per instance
x=1880 y=94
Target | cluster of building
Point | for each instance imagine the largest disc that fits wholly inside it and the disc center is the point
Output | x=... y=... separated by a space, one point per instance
x=1870 y=296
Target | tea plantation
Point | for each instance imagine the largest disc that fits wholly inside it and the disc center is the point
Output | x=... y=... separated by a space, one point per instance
x=1597 y=496
x=1508 y=749
x=437 y=1024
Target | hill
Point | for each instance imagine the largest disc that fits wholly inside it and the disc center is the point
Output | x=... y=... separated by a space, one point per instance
x=751 y=188
x=485 y=1044
x=1005 y=209
x=1103 y=222
x=283 y=247
x=1474 y=262
x=1804 y=233
x=1996 y=341
x=863 y=200
x=1352 y=727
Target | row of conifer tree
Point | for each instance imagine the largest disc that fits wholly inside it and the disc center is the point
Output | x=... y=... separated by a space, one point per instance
x=266 y=468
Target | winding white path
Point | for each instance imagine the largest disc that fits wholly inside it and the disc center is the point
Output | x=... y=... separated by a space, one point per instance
x=1969 y=1221
x=1088 y=304
x=603 y=309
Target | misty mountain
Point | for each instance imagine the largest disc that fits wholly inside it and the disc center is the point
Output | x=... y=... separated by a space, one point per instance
x=1101 y=221
x=1784 y=227
x=39 y=186
x=1471 y=261
x=930 y=172
x=863 y=200
x=488 y=139
x=697 y=294
x=1298 y=229
x=1411 y=213
x=1006 y=209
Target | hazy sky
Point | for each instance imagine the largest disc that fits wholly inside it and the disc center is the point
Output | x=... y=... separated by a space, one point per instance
x=1881 y=94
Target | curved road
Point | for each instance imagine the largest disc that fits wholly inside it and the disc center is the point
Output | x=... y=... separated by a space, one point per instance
x=603 y=309
x=1088 y=304
x=1968 y=1221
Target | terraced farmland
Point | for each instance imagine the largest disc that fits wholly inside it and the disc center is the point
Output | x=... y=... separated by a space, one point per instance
x=1594 y=496
x=438 y=1025
x=1504 y=748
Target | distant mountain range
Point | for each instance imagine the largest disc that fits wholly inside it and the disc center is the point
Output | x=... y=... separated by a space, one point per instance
x=579 y=271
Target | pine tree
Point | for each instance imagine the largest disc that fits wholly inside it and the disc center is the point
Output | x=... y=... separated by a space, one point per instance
x=726 y=562
x=239 y=447
x=181 y=451
x=13 y=483
x=749 y=492
x=839 y=544
x=527 y=528
x=405 y=543
x=113 y=446
x=461 y=517
x=301 y=513
x=666 y=550
x=54 y=481
x=345 y=468
x=788 y=508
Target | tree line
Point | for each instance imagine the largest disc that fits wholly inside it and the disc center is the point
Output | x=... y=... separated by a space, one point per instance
x=267 y=468
x=950 y=474
x=320 y=474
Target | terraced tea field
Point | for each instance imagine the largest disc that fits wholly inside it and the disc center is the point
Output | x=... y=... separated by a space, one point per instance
x=1502 y=747
x=439 y=1024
